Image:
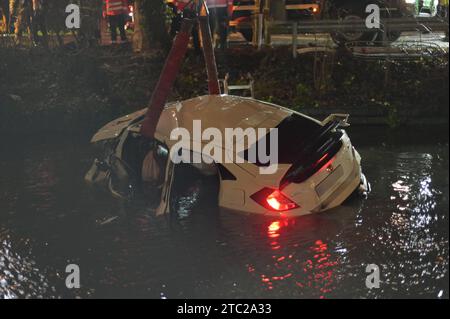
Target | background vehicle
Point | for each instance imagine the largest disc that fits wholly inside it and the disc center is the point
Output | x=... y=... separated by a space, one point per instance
x=242 y=17
x=351 y=9
x=290 y=10
x=426 y=7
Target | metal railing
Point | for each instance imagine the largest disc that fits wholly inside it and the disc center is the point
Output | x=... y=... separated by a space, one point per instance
x=403 y=50
x=418 y=24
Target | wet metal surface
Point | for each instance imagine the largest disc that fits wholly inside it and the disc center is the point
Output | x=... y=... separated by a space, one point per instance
x=49 y=219
x=435 y=39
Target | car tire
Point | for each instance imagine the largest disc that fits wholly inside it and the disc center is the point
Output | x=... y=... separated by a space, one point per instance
x=351 y=12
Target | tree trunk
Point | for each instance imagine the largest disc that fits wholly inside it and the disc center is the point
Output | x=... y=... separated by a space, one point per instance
x=140 y=42
x=150 y=25
x=91 y=12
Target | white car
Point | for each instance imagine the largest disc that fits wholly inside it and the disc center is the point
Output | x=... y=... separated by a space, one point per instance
x=318 y=168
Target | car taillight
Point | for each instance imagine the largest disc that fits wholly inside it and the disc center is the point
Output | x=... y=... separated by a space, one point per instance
x=273 y=200
x=279 y=202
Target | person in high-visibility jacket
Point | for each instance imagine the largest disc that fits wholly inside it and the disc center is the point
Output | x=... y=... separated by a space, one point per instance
x=4 y=16
x=220 y=12
x=20 y=12
x=116 y=11
x=181 y=4
x=178 y=7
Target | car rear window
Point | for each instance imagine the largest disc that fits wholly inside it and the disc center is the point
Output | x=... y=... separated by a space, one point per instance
x=293 y=132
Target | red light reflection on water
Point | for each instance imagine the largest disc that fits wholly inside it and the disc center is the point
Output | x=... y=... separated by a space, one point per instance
x=319 y=269
x=311 y=272
x=274 y=227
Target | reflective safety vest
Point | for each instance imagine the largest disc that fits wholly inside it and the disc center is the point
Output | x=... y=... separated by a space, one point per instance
x=181 y=4
x=115 y=7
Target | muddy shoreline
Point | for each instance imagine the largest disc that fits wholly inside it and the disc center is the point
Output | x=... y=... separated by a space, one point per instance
x=68 y=91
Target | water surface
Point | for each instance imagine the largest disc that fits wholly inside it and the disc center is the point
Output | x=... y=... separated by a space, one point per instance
x=49 y=219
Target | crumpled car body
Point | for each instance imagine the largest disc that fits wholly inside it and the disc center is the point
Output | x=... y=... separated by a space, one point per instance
x=317 y=168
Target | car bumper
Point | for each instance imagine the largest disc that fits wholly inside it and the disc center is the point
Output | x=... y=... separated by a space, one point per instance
x=326 y=189
x=329 y=187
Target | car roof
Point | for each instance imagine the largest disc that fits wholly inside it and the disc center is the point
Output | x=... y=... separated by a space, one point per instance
x=218 y=111
x=224 y=111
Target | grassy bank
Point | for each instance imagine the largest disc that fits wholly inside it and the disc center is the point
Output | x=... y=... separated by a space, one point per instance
x=66 y=91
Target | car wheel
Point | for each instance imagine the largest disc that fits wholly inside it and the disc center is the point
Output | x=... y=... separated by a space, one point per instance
x=349 y=13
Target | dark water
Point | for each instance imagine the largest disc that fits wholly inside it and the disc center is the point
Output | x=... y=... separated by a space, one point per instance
x=49 y=219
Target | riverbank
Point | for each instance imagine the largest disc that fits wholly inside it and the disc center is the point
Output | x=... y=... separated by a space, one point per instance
x=77 y=91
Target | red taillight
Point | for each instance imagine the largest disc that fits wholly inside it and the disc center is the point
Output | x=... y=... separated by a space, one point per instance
x=279 y=202
x=274 y=200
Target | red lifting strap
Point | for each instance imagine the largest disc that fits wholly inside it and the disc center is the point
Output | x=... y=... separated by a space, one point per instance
x=167 y=79
x=172 y=67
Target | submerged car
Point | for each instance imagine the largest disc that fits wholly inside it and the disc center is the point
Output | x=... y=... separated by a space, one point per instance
x=317 y=166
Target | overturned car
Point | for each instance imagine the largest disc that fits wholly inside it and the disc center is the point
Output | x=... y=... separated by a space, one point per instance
x=315 y=169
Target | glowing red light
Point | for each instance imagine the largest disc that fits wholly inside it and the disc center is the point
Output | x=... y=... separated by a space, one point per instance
x=279 y=202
